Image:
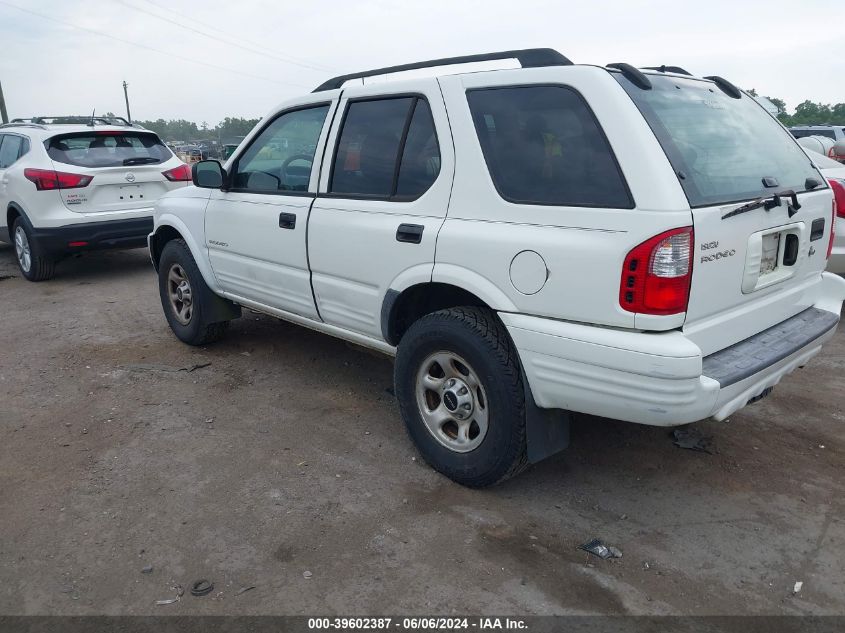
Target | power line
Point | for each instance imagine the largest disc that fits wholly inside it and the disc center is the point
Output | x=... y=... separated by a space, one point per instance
x=149 y=48
x=287 y=60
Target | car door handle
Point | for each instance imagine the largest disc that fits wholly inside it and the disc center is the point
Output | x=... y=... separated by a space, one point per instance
x=409 y=233
x=287 y=220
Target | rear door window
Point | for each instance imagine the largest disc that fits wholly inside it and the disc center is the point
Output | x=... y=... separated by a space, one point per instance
x=108 y=149
x=721 y=148
x=10 y=149
x=387 y=149
x=806 y=133
x=544 y=146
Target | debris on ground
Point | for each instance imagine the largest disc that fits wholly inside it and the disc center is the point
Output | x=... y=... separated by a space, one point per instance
x=245 y=589
x=598 y=548
x=180 y=591
x=164 y=368
x=202 y=588
x=797 y=588
x=147 y=570
x=4 y=277
x=693 y=440
x=307 y=574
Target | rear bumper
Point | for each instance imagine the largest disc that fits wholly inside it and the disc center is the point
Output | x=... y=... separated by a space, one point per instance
x=111 y=234
x=662 y=379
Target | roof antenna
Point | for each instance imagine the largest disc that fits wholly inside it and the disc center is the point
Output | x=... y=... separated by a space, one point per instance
x=92 y=117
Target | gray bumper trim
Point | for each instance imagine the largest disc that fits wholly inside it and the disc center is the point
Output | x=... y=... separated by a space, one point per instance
x=746 y=358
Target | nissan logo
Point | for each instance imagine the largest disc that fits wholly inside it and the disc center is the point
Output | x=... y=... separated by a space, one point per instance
x=130 y=177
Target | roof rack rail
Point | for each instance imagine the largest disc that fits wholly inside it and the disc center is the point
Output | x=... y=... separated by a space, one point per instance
x=634 y=75
x=527 y=57
x=669 y=69
x=726 y=86
x=75 y=120
x=15 y=124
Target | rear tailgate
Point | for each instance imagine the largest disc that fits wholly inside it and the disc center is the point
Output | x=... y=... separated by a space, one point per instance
x=757 y=264
x=116 y=189
x=754 y=270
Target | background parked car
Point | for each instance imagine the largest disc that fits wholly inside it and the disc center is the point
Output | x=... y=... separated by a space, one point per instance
x=835 y=174
x=831 y=137
x=73 y=184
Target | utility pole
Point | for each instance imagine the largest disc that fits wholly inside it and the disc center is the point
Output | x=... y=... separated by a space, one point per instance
x=126 y=96
x=4 y=117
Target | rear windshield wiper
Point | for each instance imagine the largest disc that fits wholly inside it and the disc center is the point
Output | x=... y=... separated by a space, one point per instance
x=145 y=160
x=768 y=204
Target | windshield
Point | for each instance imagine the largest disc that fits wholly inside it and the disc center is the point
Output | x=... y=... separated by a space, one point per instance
x=108 y=149
x=721 y=148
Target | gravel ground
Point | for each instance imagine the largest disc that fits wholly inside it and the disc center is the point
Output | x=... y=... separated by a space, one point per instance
x=276 y=459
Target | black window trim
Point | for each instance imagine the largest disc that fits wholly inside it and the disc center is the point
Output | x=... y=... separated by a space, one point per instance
x=237 y=157
x=577 y=93
x=23 y=150
x=417 y=97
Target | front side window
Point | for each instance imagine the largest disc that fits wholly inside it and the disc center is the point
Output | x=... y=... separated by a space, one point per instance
x=387 y=149
x=721 y=148
x=282 y=155
x=543 y=146
x=108 y=149
x=10 y=149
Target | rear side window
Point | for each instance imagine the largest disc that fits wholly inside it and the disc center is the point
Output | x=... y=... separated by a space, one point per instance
x=721 y=148
x=108 y=149
x=387 y=149
x=543 y=146
x=11 y=148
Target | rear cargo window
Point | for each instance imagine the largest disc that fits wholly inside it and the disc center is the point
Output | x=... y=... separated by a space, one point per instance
x=543 y=145
x=806 y=133
x=721 y=148
x=108 y=149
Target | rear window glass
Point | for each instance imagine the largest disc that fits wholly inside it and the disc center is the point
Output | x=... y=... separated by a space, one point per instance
x=108 y=149
x=543 y=145
x=806 y=133
x=721 y=148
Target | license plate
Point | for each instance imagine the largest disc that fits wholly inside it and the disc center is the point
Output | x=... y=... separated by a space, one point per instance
x=131 y=192
x=771 y=248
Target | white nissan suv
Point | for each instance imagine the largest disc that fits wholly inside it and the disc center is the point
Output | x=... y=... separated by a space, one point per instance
x=636 y=244
x=71 y=184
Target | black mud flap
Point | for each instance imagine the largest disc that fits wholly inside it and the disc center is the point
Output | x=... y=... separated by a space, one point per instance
x=546 y=430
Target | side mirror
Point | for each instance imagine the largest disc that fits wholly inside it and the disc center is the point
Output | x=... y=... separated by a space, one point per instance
x=208 y=174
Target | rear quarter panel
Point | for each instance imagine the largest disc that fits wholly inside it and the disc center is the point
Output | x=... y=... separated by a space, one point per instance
x=583 y=248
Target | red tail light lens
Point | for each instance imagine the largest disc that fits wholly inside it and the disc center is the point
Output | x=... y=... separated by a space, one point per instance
x=182 y=173
x=47 y=179
x=656 y=275
x=838 y=187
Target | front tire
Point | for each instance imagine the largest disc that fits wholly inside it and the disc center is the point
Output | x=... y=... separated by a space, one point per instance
x=184 y=294
x=34 y=264
x=460 y=391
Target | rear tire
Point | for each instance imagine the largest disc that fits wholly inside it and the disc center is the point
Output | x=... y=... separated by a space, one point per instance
x=184 y=294
x=34 y=264
x=459 y=387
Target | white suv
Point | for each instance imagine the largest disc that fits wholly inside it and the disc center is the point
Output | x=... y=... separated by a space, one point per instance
x=69 y=184
x=641 y=245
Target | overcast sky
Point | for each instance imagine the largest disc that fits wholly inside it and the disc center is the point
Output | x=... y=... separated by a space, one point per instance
x=256 y=53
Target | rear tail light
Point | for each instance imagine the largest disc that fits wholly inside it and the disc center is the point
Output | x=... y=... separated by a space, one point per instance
x=182 y=173
x=656 y=275
x=47 y=179
x=838 y=187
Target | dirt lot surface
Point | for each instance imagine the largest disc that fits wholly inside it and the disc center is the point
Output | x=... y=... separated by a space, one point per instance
x=276 y=459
